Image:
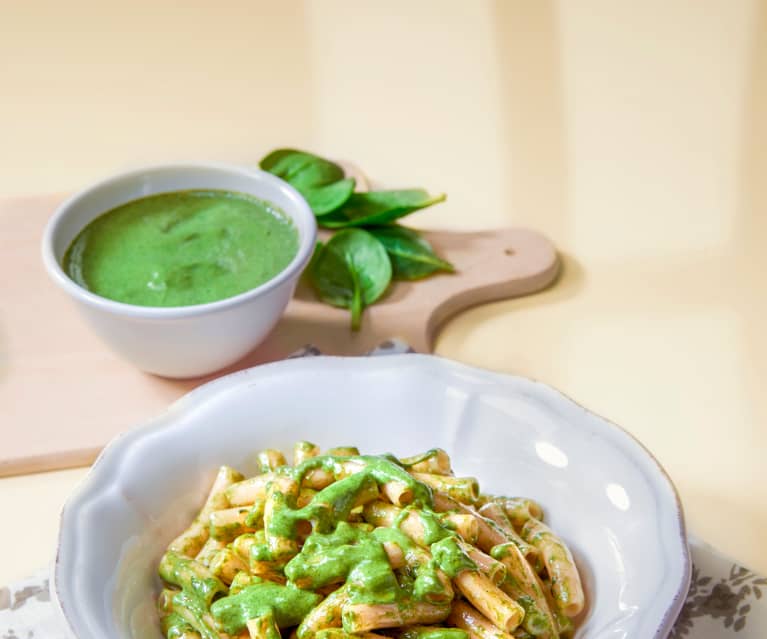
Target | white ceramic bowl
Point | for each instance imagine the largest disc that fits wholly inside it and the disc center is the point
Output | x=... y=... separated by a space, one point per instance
x=185 y=341
x=601 y=490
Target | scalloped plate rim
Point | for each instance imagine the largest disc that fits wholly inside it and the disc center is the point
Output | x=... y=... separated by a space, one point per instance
x=116 y=448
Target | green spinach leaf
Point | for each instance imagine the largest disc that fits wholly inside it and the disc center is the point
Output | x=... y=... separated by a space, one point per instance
x=355 y=267
x=412 y=257
x=320 y=181
x=326 y=199
x=352 y=270
x=378 y=207
x=301 y=168
x=273 y=161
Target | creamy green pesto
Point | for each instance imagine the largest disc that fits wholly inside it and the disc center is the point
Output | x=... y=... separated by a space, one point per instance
x=288 y=605
x=333 y=504
x=182 y=248
x=340 y=550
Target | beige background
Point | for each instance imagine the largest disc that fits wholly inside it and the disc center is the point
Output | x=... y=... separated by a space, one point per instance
x=632 y=133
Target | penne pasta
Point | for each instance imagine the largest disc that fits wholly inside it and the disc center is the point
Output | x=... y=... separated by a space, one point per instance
x=248 y=491
x=348 y=546
x=174 y=626
x=189 y=608
x=363 y=617
x=497 y=515
x=191 y=576
x=305 y=495
x=226 y=563
x=268 y=571
x=492 y=568
x=435 y=461
x=395 y=554
x=242 y=580
x=502 y=611
x=209 y=549
x=165 y=601
x=431 y=632
x=263 y=627
x=269 y=460
x=326 y=615
x=318 y=479
x=417 y=524
x=522 y=583
x=563 y=624
x=488 y=535
x=462 y=489
x=466 y=526
x=279 y=493
x=227 y=524
x=435 y=586
x=560 y=566
x=482 y=500
x=343 y=451
x=190 y=541
x=471 y=620
x=520 y=509
x=303 y=451
x=398 y=493
x=243 y=543
x=340 y=633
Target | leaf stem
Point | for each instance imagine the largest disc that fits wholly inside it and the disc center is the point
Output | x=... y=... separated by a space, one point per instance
x=357 y=305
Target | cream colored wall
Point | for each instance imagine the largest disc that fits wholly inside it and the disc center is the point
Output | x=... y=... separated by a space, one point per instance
x=632 y=133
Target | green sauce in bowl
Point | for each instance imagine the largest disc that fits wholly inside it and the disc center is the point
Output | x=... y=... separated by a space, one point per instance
x=182 y=248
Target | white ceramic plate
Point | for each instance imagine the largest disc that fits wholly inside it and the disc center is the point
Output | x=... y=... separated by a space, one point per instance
x=601 y=490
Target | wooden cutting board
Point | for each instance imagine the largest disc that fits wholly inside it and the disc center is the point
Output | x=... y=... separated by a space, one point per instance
x=63 y=394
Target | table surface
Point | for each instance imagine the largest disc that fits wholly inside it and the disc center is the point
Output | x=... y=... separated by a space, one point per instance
x=632 y=134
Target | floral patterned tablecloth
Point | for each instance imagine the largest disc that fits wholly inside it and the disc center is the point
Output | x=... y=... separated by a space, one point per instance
x=725 y=599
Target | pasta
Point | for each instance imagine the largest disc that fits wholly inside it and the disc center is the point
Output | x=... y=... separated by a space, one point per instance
x=347 y=546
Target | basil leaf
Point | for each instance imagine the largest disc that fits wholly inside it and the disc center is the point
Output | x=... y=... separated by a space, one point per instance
x=412 y=257
x=378 y=207
x=320 y=181
x=352 y=270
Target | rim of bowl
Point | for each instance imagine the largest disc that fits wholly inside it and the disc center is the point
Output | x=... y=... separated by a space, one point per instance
x=302 y=217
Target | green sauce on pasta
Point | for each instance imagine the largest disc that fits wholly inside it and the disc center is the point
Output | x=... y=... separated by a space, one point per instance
x=317 y=545
x=288 y=604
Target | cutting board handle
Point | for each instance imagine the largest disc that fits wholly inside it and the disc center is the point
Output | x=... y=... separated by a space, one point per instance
x=493 y=265
x=489 y=265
